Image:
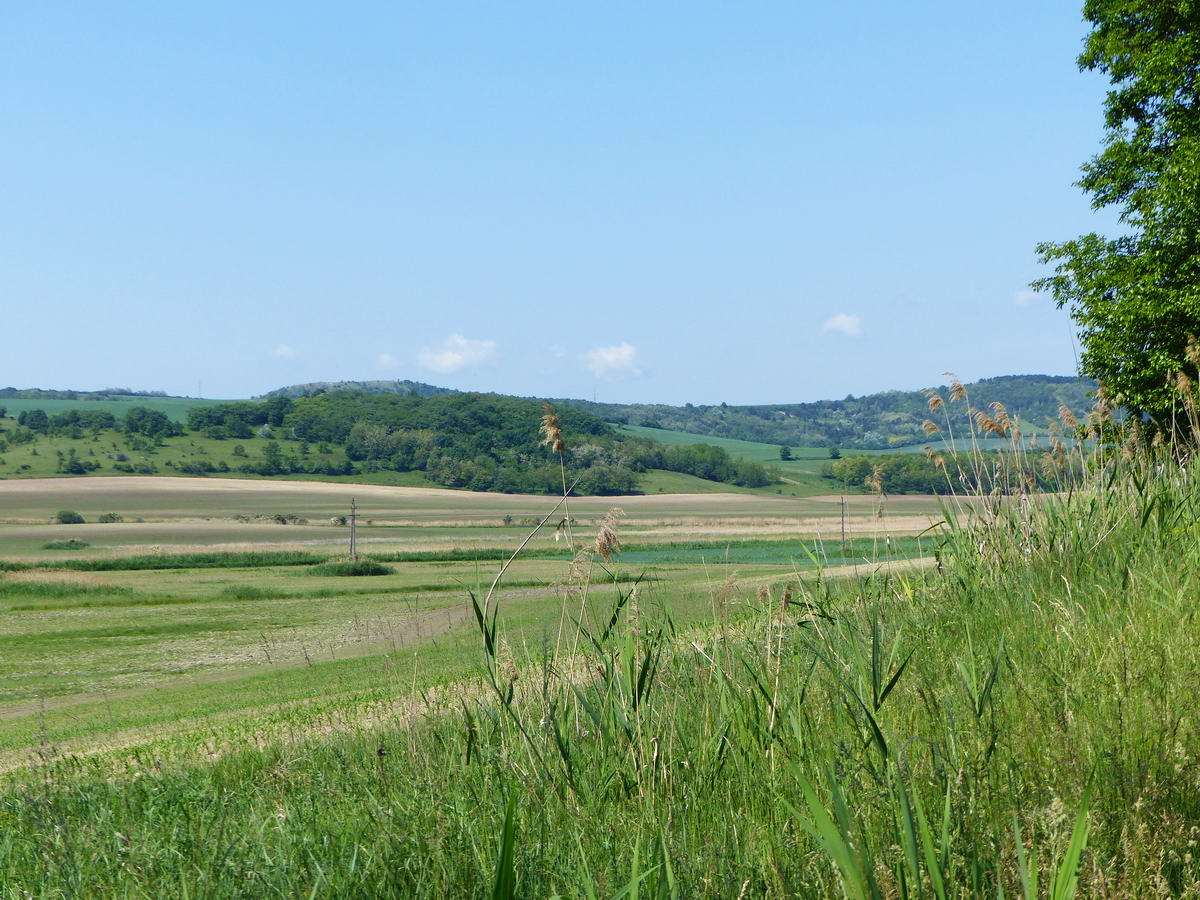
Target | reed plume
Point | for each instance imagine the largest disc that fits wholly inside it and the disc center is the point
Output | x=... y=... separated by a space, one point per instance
x=957 y=390
x=607 y=541
x=551 y=431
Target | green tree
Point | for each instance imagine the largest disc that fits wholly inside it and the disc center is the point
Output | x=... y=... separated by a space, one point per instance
x=34 y=419
x=785 y=452
x=150 y=423
x=272 y=460
x=1136 y=297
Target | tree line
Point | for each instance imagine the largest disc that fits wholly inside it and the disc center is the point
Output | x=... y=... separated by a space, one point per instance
x=476 y=441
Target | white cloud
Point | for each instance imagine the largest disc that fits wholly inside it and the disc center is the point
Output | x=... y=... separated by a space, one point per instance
x=386 y=361
x=615 y=360
x=1025 y=297
x=457 y=352
x=285 y=351
x=842 y=323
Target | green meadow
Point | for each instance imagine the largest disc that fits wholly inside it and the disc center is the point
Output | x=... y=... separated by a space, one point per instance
x=175 y=407
x=195 y=607
x=734 y=703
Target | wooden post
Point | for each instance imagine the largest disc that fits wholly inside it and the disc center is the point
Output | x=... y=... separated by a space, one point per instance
x=843 y=505
x=353 y=529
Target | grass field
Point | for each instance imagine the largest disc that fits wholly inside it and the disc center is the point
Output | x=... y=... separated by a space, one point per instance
x=40 y=459
x=109 y=448
x=736 y=705
x=175 y=407
x=807 y=462
x=802 y=473
x=123 y=631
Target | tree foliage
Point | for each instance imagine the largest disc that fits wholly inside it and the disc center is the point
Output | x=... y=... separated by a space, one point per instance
x=875 y=421
x=1136 y=296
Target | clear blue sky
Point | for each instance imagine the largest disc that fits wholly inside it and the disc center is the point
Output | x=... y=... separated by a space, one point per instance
x=704 y=202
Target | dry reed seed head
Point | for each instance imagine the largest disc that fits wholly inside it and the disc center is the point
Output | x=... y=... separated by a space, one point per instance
x=1048 y=464
x=986 y=423
x=1000 y=414
x=1066 y=416
x=607 y=542
x=928 y=452
x=875 y=480
x=764 y=594
x=930 y=427
x=551 y=431
x=1192 y=351
x=577 y=571
x=957 y=390
x=1184 y=386
x=935 y=400
x=633 y=607
x=939 y=462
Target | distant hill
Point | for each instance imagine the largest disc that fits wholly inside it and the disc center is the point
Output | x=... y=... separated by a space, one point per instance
x=106 y=394
x=875 y=421
x=403 y=388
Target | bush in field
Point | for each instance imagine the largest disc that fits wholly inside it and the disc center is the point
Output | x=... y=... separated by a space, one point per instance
x=71 y=544
x=68 y=517
x=110 y=517
x=350 y=567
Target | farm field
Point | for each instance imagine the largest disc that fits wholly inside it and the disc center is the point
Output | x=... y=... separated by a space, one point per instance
x=807 y=462
x=148 y=667
x=120 y=628
x=176 y=408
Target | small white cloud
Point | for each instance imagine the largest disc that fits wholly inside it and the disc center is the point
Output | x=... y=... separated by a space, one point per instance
x=457 y=352
x=285 y=351
x=615 y=360
x=842 y=323
x=386 y=361
x=1025 y=297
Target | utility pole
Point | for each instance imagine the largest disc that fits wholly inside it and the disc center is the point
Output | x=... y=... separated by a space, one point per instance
x=843 y=505
x=353 y=529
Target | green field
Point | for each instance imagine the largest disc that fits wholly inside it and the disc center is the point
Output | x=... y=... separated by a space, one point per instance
x=127 y=627
x=737 y=703
x=109 y=448
x=40 y=459
x=802 y=473
x=175 y=407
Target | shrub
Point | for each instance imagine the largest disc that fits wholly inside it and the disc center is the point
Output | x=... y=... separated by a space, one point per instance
x=71 y=544
x=110 y=517
x=68 y=517
x=350 y=567
x=250 y=592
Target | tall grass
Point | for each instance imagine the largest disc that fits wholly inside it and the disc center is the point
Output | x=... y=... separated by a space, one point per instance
x=1017 y=722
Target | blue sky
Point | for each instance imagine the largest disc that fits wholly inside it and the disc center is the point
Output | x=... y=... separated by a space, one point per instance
x=675 y=202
